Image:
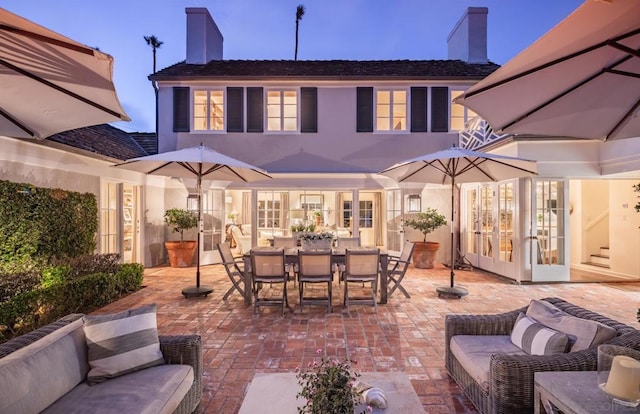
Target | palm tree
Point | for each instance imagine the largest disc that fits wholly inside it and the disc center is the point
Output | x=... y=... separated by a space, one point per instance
x=155 y=45
x=299 y=14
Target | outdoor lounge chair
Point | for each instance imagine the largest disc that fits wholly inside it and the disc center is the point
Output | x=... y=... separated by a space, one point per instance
x=234 y=267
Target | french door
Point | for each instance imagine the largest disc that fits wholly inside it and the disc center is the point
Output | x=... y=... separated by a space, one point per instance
x=212 y=225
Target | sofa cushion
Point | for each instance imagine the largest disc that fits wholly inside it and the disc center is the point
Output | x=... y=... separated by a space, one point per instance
x=536 y=339
x=583 y=333
x=122 y=342
x=35 y=376
x=158 y=389
x=474 y=352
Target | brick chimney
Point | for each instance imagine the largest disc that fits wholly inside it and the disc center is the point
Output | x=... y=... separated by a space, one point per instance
x=468 y=39
x=204 y=40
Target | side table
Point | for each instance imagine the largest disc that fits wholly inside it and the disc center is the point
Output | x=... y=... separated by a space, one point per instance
x=573 y=392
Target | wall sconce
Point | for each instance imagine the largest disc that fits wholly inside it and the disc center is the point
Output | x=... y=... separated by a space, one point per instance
x=192 y=203
x=415 y=203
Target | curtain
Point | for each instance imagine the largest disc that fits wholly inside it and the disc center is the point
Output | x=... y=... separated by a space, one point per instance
x=377 y=219
x=284 y=210
x=339 y=209
x=246 y=208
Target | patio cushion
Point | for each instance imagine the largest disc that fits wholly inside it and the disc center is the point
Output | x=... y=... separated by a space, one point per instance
x=583 y=333
x=155 y=390
x=53 y=366
x=536 y=339
x=122 y=343
x=474 y=352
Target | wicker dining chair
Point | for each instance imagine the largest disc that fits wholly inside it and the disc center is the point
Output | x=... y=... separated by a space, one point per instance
x=268 y=266
x=314 y=267
x=361 y=266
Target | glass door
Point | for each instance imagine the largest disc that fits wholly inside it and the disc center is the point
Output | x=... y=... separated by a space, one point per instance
x=212 y=225
x=130 y=223
x=504 y=232
x=394 y=220
x=472 y=225
x=550 y=244
x=487 y=227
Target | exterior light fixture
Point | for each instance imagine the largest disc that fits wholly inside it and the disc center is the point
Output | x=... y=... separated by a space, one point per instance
x=415 y=203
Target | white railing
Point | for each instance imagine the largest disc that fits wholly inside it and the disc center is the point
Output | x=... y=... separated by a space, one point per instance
x=478 y=133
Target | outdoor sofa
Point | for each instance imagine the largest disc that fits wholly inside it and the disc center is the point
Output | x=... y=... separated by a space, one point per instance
x=497 y=376
x=46 y=371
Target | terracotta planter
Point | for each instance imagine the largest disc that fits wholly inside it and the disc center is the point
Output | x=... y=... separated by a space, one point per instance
x=181 y=253
x=424 y=254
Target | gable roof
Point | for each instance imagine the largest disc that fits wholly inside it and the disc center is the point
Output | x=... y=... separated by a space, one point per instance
x=104 y=140
x=147 y=140
x=328 y=69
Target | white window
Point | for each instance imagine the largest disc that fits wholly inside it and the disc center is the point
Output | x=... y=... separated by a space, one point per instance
x=208 y=110
x=391 y=110
x=282 y=110
x=109 y=218
x=459 y=114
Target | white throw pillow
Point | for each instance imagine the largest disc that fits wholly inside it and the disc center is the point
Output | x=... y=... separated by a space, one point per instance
x=122 y=343
x=536 y=339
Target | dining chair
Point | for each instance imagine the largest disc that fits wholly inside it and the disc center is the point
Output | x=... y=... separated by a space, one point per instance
x=268 y=266
x=314 y=267
x=397 y=268
x=345 y=242
x=361 y=266
x=289 y=242
x=234 y=267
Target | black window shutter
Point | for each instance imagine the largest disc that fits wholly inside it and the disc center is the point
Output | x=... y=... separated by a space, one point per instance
x=364 y=110
x=255 y=117
x=419 y=109
x=440 y=109
x=309 y=109
x=235 y=109
x=181 y=109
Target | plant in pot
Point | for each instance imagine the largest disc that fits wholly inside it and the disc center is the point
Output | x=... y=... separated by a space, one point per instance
x=424 y=252
x=180 y=252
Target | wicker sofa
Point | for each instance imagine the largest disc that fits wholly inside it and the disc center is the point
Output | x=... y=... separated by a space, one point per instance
x=510 y=384
x=23 y=359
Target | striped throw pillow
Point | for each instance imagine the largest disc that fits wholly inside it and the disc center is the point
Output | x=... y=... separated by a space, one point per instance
x=122 y=343
x=536 y=339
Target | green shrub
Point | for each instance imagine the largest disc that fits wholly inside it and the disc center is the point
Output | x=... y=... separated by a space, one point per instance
x=53 y=275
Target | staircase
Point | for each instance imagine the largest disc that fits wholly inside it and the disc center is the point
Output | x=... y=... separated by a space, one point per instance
x=601 y=259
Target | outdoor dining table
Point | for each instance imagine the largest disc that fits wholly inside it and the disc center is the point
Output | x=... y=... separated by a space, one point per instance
x=337 y=256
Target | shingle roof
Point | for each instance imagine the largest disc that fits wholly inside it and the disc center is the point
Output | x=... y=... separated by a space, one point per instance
x=329 y=69
x=104 y=140
x=147 y=140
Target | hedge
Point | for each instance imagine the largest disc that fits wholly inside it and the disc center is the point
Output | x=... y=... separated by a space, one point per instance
x=29 y=310
x=39 y=224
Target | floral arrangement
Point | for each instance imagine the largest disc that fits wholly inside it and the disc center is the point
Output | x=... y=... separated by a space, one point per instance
x=301 y=227
x=329 y=387
x=309 y=236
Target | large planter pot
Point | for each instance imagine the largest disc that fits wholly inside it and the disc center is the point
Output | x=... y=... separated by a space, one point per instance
x=181 y=253
x=424 y=254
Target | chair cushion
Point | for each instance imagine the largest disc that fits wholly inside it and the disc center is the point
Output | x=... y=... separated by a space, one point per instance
x=536 y=339
x=474 y=352
x=583 y=333
x=158 y=389
x=121 y=343
x=35 y=376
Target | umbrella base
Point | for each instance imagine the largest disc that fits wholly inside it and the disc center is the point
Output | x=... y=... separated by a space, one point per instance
x=452 y=292
x=196 y=291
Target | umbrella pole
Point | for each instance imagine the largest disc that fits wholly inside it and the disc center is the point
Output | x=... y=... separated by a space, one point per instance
x=451 y=290
x=198 y=290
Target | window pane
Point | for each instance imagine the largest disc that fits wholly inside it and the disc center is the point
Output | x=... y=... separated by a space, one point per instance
x=290 y=111
x=399 y=97
x=457 y=124
x=200 y=110
x=273 y=124
x=290 y=97
x=273 y=97
x=290 y=124
x=384 y=97
x=382 y=124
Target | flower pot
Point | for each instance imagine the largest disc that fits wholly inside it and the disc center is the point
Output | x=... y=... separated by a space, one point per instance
x=181 y=253
x=316 y=244
x=424 y=254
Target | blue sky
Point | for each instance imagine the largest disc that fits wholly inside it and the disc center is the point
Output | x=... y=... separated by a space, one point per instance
x=265 y=29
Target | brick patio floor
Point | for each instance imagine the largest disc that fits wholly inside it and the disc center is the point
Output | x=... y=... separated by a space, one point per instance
x=404 y=335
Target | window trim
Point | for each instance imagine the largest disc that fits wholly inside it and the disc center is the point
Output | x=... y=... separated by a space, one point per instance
x=407 y=112
x=282 y=90
x=192 y=116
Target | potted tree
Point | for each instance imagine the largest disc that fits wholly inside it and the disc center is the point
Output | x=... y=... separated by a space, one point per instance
x=180 y=252
x=424 y=252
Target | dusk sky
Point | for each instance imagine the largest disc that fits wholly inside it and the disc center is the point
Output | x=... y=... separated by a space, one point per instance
x=265 y=29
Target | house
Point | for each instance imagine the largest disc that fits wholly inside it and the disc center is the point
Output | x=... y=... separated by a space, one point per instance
x=322 y=129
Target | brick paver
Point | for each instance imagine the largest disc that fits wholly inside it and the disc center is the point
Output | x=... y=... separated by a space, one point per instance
x=404 y=335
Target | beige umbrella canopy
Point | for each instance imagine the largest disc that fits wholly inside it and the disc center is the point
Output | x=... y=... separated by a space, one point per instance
x=581 y=79
x=51 y=83
x=199 y=162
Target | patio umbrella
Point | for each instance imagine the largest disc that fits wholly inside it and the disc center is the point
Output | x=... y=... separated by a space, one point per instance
x=581 y=79
x=201 y=163
x=457 y=165
x=51 y=83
